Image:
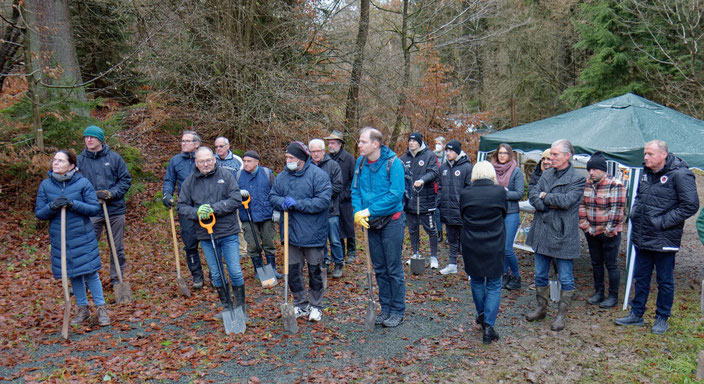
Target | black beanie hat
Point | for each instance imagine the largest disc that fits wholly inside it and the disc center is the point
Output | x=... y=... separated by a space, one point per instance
x=298 y=150
x=455 y=146
x=597 y=161
x=417 y=136
x=251 y=153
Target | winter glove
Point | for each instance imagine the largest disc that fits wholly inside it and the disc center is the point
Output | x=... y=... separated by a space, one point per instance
x=204 y=211
x=168 y=201
x=244 y=193
x=362 y=218
x=104 y=194
x=288 y=203
x=59 y=202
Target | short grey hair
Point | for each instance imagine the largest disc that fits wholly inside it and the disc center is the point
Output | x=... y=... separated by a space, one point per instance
x=195 y=135
x=316 y=142
x=441 y=139
x=564 y=145
x=374 y=134
x=483 y=170
x=227 y=142
x=204 y=150
x=662 y=146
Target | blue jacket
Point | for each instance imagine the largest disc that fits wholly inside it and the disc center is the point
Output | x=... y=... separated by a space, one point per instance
x=258 y=184
x=375 y=189
x=107 y=170
x=312 y=190
x=82 y=255
x=231 y=161
x=180 y=167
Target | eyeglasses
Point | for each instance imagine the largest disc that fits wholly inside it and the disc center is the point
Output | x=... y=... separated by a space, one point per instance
x=220 y=146
x=318 y=151
x=204 y=162
x=503 y=153
x=187 y=141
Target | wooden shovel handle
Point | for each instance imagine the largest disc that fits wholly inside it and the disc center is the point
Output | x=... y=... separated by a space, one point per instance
x=285 y=242
x=112 y=241
x=368 y=259
x=173 y=235
x=64 y=276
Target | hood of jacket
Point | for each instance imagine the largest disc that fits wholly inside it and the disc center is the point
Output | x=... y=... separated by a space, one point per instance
x=420 y=150
x=461 y=159
x=672 y=162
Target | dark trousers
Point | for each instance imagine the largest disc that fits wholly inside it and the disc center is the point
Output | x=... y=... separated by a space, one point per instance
x=664 y=264
x=298 y=257
x=385 y=247
x=428 y=221
x=604 y=252
x=190 y=245
x=117 y=224
x=453 y=237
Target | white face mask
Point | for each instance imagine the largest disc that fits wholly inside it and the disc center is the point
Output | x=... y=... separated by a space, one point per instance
x=438 y=147
x=292 y=166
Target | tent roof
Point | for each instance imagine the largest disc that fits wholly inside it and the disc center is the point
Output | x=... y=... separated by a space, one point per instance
x=619 y=127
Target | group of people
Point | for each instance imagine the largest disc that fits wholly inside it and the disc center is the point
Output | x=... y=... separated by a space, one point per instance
x=325 y=192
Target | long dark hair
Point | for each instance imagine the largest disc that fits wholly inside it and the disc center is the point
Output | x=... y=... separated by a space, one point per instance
x=505 y=146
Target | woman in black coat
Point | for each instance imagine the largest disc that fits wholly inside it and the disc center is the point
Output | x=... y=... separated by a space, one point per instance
x=483 y=207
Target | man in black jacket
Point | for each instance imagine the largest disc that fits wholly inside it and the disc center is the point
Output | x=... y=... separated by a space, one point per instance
x=666 y=197
x=108 y=173
x=346 y=162
x=324 y=162
x=421 y=166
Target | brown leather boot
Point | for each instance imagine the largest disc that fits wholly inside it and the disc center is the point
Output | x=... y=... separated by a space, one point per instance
x=82 y=316
x=565 y=299
x=541 y=294
x=103 y=318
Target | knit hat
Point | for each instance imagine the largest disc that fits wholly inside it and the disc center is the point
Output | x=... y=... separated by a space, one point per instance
x=298 y=150
x=597 y=161
x=455 y=146
x=252 y=154
x=546 y=154
x=417 y=136
x=95 y=131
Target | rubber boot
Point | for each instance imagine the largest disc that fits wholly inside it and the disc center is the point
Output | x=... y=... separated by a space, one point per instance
x=225 y=300
x=257 y=261
x=239 y=299
x=82 y=316
x=271 y=259
x=193 y=262
x=541 y=295
x=565 y=299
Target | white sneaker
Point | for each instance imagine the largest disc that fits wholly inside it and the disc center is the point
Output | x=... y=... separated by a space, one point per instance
x=315 y=315
x=434 y=263
x=451 y=268
x=408 y=262
x=300 y=312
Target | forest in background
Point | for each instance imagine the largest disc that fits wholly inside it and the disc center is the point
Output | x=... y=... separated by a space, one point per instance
x=266 y=72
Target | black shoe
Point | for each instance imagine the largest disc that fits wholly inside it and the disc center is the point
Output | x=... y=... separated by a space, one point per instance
x=513 y=283
x=609 y=302
x=596 y=298
x=489 y=334
x=351 y=254
x=504 y=279
x=198 y=282
x=480 y=319
x=381 y=318
x=660 y=326
x=631 y=319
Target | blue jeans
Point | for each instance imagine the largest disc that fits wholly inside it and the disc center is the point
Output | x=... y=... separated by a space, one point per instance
x=664 y=264
x=510 y=261
x=334 y=238
x=91 y=280
x=228 y=248
x=385 y=247
x=564 y=270
x=486 y=293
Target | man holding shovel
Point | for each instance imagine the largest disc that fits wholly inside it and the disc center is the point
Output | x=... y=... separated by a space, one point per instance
x=108 y=173
x=304 y=191
x=377 y=193
x=212 y=189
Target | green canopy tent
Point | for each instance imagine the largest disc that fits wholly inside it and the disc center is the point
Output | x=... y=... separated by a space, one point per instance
x=619 y=127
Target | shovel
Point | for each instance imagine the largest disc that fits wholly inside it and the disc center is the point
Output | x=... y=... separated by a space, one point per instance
x=123 y=292
x=180 y=282
x=417 y=260
x=555 y=285
x=265 y=272
x=287 y=314
x=370 y=317
x=64 y=276
x=233 y=318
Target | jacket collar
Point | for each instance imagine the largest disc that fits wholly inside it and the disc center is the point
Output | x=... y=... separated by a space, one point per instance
x=94 y=155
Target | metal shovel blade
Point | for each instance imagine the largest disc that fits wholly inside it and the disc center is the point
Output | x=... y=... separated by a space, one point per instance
x=417 y=264
x=289 y=318
x=370 y=317
x=123 y=293
x=324 y=275
x=234 y=320
x=266 y=276
x=182 y=287
x=555 y=290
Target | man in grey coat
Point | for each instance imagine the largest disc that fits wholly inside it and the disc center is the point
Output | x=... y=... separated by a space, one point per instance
x=555 y=230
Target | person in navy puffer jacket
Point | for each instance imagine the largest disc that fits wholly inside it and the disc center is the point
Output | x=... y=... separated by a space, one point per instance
x=67 y=188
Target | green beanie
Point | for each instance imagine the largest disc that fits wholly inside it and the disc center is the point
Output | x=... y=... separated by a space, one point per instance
x=95 y=131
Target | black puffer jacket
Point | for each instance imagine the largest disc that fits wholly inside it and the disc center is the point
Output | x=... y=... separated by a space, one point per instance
x=454 y=177
x=346 y=162
x=422 y=166
x=664 y=201
x=106 y=170
x=217 y=188
x=332 y=168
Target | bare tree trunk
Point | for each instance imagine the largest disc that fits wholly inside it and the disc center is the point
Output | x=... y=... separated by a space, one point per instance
x=352 y=108
x=406 y=48
x=11 y=42
x=32 y=80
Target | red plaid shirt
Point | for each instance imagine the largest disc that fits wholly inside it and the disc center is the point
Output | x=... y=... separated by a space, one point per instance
x=603 y=206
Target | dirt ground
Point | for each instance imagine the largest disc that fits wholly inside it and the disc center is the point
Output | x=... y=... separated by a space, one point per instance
x=166 y=338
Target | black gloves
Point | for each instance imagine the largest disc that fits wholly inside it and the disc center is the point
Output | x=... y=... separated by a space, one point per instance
x=59 y=202
x=104 y=194
x=168 y=201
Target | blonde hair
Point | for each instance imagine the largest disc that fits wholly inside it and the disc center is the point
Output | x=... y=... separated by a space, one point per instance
x=483 y=170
